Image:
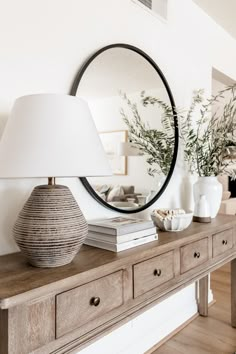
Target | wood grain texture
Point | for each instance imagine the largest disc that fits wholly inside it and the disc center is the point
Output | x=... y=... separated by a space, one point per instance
x=20 y=281
x=211 y=335
x=76 y=307
x=33 y=285
x=222 y=242
x=172 y=334
x=193 y=255
x=31 y=326
x=203 y=296
x=233 y=293
x=153 y=272
x=4 y=339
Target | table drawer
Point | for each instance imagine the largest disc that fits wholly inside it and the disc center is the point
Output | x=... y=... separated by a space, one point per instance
x=193 y=254
x=87 y=302
x=222 y=242
x=153 y=272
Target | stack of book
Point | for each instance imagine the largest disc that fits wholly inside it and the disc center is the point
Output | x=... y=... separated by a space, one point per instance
x=120 y=233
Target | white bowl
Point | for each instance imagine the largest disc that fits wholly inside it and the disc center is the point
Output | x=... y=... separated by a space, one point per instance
x=173 y=223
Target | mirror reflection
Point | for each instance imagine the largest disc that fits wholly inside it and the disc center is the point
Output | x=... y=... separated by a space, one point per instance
x=126 y=96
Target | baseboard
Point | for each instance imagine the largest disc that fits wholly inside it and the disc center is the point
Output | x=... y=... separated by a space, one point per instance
x=212 y=303
x=172 y=334
x=177 y=330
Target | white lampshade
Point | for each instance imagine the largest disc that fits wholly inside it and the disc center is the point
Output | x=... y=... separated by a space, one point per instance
x=51 y=135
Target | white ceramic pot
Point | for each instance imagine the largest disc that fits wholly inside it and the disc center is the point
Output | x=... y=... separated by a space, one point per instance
x=212 y=189
x=174 y=223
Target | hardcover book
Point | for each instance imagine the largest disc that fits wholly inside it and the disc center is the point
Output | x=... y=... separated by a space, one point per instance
x=114 y=247
x=122 y=238
x=119 y=225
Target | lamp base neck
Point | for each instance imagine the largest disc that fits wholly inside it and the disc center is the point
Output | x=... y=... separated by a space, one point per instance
x=51 y=181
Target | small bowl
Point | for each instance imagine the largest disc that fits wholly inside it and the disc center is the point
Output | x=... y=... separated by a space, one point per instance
x=173 y=223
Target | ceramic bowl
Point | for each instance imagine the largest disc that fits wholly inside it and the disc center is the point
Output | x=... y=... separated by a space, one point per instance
x=173 y=223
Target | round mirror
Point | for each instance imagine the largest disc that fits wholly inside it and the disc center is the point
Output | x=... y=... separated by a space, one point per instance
x=133 y=110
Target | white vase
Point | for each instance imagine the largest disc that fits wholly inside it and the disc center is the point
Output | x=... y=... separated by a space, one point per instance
x=212 y=189
x=160 y=181
x=151 y=195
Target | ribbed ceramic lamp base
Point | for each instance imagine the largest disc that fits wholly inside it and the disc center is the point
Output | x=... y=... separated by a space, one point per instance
x=51 y=228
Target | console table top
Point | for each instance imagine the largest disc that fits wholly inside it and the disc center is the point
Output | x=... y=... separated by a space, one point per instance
x=17 y=277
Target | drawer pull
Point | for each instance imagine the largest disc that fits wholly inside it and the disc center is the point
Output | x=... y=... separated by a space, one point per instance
x=95 y=301
x=197 y=255
x=157 y=272
x=224 y=242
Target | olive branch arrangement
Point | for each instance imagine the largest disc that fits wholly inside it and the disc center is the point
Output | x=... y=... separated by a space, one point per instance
x=157 y=145
x=205 y=139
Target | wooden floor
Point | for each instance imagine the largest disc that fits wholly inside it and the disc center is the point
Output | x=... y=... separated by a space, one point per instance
x=212 y=334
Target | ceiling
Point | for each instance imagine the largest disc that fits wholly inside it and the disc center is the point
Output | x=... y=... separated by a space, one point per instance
x=222 y=11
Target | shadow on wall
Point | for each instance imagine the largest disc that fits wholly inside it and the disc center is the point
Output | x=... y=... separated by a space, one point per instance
x=187 y=181
x=3 y=120
x=13 y=195
x=187 y=192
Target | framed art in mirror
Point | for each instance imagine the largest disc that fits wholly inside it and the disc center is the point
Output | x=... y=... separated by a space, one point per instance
x=134 y=112
x=110 y=140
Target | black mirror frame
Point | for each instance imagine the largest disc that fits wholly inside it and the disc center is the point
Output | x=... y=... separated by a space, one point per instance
x=73 y=92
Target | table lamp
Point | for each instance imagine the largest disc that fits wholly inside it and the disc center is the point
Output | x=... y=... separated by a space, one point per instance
x=51 y=135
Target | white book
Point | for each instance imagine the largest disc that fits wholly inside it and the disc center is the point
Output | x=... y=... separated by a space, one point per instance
x=122 y=238
x=119 y=225
x=121 y=246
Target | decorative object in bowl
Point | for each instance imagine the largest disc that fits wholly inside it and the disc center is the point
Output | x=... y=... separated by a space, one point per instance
x=172 y=219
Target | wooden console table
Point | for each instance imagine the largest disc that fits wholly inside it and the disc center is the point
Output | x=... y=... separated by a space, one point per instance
x=61 y=310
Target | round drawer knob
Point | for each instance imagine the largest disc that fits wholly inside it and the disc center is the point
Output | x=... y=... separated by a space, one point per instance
x=157 y=272
x=95 y=301
x=224 y=242
x=197 y=255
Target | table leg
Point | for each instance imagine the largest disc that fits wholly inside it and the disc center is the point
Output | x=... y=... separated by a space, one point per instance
x=203 y=296
x=233 y=293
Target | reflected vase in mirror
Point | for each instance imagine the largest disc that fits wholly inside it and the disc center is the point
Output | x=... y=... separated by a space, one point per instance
x=140 y=140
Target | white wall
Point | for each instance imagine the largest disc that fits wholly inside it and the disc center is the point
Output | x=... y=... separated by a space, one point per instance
x=43 y=43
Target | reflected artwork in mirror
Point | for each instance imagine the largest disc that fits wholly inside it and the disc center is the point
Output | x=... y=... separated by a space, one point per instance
x=133 y=109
